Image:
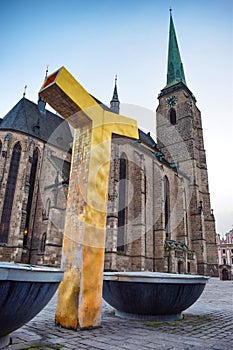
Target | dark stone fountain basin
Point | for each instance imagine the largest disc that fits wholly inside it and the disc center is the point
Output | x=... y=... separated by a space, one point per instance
x=151 y=295
x=24 y=291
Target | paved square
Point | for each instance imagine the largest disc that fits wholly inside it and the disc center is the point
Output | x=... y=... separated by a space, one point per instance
x=208 y=324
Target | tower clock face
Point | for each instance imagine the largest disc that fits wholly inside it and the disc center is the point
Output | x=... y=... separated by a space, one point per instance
x=171 y=101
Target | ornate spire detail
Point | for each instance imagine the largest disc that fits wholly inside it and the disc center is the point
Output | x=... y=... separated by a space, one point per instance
x=24 y=90
x=175 y=71
x=41 y=103
x=115 y=103
x=46 y=72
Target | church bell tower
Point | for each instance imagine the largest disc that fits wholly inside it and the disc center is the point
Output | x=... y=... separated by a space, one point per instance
x=180 y=139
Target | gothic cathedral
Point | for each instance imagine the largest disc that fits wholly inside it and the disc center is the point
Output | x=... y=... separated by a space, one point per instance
x=159 y=216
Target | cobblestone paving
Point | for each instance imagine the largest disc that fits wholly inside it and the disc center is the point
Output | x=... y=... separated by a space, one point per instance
x=208 y=324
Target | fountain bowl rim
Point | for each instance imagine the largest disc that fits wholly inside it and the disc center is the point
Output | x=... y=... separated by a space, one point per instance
x=154 y=277
x=10 y=271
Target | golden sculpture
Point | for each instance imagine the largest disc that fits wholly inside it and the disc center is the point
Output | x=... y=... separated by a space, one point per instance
x=80 y=293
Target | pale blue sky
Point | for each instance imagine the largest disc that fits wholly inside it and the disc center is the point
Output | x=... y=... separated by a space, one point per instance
x=95 y=40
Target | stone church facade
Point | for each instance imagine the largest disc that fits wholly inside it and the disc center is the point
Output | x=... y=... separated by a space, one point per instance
x=159 y=216
x=34 y=171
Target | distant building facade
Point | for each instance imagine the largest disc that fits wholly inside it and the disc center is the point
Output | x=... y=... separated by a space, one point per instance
x=159 y=216
x=225 y=255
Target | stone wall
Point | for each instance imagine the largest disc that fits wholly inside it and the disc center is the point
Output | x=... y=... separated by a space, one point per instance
x=44 y=233
x=144 y=231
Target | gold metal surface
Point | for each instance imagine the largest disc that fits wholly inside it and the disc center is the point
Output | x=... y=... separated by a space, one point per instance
x=80 y=293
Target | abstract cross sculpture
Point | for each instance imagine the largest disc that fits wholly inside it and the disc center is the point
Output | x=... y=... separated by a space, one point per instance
x=80 y=293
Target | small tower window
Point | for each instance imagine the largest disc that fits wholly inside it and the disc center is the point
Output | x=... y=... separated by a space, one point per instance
x=172 y=116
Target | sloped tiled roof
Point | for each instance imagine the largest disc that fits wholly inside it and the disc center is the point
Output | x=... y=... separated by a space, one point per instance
x=26 y=117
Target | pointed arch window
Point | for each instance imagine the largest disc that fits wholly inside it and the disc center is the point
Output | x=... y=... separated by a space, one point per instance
x=32 y=179
x=145 y=187
x=173 y=116
x=122 y=204
x=10 y=192
x=180 y=267
x=167 y=206
x=43 y=242
x=48 y=206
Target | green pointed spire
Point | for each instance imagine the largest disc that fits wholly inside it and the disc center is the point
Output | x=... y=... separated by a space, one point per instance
x=175 y=71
